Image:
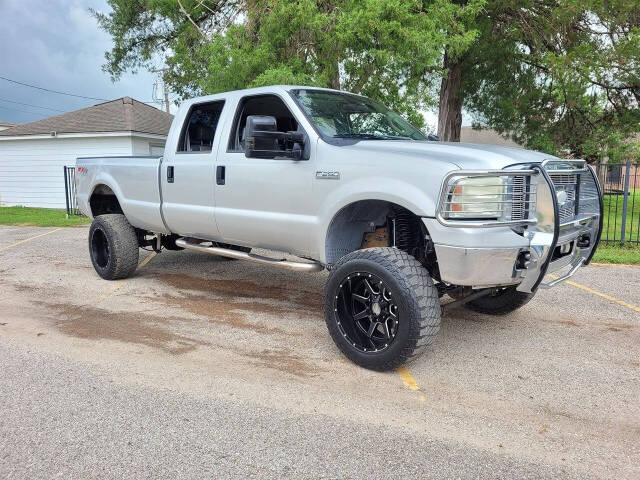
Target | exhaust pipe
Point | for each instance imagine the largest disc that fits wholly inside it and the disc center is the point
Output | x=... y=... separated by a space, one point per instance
x=226 y=252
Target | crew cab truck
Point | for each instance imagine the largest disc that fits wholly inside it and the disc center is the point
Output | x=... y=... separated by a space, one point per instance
x=342 y=183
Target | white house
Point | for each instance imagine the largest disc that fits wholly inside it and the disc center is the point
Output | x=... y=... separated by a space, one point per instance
x=32 y=155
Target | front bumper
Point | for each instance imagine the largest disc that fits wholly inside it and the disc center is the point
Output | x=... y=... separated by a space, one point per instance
x=490 y=257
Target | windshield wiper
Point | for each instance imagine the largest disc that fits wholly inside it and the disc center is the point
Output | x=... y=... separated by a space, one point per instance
x=365 y=136
x=370 y=136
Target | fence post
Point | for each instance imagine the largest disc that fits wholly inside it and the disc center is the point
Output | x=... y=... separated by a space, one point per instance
x=66 y=189
x=625 y=200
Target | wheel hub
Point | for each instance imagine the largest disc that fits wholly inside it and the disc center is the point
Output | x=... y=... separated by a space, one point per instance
x=365 y=312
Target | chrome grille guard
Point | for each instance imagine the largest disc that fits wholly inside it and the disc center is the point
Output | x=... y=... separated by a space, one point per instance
x=548 y=233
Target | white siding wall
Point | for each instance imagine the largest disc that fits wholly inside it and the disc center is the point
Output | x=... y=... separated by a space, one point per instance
x=31 y=170
x=147 y=146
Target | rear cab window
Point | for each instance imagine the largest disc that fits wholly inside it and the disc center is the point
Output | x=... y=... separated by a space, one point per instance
x=198 y=131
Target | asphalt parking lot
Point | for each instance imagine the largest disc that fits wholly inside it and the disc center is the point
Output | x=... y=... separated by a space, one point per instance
x=202 y=367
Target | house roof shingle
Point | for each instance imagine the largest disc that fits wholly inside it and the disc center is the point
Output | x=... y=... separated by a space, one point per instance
x=120 y=115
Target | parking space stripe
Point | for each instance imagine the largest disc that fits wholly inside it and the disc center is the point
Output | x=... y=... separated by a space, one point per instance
x=28 y=239
x=635 y=308
x=119 y=283
x=146 y=260
x=407 y=378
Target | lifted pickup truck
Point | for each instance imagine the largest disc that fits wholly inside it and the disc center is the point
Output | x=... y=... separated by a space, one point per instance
x=340 y=181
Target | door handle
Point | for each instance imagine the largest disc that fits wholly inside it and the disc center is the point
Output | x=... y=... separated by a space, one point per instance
x=170 y=174
x=220 y=174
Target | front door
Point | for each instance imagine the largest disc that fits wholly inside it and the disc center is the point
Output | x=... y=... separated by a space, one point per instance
x=187 y=176
x=264 y=202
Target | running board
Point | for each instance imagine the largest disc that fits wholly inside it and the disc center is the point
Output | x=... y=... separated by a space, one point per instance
x=226 y=252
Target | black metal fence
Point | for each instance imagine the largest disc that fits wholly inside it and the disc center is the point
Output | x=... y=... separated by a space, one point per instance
x=70 y=191
x=620 y=184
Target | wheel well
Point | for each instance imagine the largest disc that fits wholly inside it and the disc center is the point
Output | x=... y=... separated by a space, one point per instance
x=377 y=223
x=104 y=201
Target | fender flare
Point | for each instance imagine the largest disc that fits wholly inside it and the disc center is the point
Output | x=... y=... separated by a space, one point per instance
x=108 y=181
x=397 y=192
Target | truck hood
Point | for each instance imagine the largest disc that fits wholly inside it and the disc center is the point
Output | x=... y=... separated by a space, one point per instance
x=466 y=156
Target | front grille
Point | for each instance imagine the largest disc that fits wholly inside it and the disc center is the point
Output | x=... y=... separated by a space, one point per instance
x=564 y=178
x=519 y=198
x=565 y=187
x=589 y=199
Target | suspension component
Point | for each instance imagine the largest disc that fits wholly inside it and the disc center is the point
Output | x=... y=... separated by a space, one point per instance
x=406 y=230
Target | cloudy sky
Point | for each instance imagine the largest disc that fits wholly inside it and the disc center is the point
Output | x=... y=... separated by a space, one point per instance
x=56 y=44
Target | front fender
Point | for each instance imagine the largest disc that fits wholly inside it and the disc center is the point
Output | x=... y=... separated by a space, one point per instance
x=381 y=188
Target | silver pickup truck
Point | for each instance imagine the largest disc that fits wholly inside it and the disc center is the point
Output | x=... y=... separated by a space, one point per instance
x=342 y=183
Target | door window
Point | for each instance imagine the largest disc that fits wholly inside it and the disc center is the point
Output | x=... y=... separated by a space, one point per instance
x=270 y=105
x=199 y=130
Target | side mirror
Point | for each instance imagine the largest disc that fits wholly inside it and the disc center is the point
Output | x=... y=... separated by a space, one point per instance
x=263 y=140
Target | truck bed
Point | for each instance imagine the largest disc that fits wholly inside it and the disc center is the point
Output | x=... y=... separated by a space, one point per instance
x=134 y=180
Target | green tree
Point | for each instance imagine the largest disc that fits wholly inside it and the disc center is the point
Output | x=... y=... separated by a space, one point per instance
x=558 y=76
x=388 y=49
x=561 y=76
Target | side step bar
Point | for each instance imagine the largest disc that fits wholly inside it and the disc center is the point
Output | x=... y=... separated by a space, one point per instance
x=225 y=252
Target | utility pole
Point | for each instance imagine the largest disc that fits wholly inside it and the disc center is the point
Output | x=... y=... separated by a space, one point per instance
x=166 y=92
x=165 y=88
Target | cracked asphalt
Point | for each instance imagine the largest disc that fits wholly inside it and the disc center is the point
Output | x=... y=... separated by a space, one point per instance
x=203 y=367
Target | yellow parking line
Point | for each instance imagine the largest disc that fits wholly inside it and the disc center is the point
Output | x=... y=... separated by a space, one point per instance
x=28 y=239
x=113 y=288
x=146 y=260
x=409 y=381
x=119 y=283
x=600 y=294
x=407 y=378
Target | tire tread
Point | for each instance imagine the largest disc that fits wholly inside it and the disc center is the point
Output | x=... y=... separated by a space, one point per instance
x=124 y=241
x=416 y=284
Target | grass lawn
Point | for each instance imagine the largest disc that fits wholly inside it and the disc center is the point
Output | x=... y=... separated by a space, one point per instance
x=39 y=217
x=616 y=253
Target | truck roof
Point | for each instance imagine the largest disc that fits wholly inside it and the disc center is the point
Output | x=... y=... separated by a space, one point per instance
x=256 y=90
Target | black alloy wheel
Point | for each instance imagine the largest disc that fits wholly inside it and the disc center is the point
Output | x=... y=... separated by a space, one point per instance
x=381 y=307
x=367 y=315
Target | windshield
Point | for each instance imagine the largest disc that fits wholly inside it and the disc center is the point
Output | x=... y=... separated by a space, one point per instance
x=343 y=115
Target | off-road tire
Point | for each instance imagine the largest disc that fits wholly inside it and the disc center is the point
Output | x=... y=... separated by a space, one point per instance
x=501 y=303
x=120 y=257
x=413 y=291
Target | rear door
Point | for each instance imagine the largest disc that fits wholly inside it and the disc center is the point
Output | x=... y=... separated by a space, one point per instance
x=187 y=174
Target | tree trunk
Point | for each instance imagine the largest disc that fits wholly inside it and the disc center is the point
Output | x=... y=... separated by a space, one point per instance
x=334 y=79
x=450 y=114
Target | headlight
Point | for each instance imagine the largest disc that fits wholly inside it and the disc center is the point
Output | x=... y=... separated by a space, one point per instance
x=475 y=197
